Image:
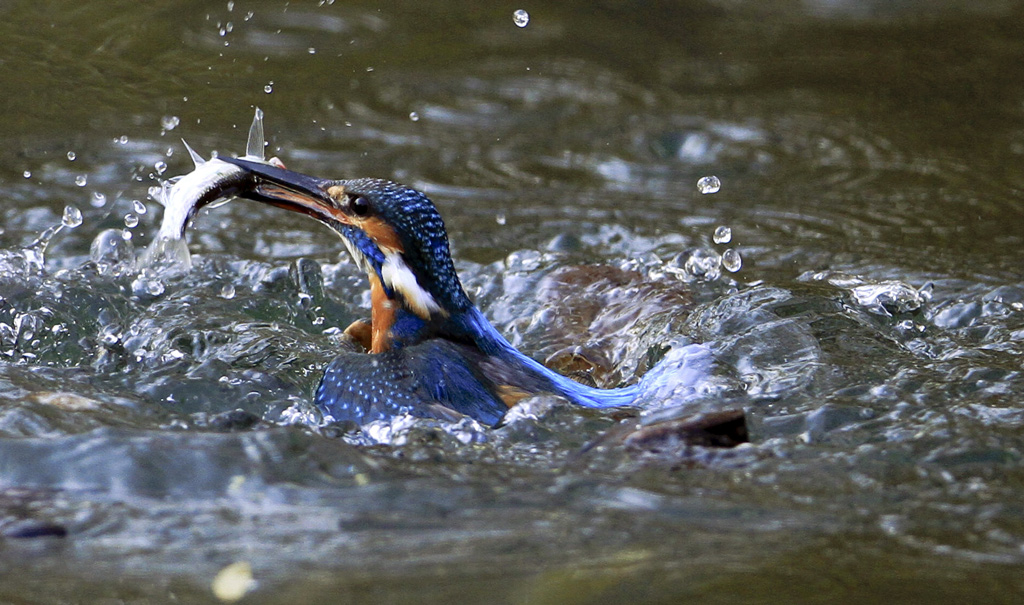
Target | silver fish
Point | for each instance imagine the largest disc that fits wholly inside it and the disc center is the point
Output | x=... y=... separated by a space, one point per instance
x=212 y=183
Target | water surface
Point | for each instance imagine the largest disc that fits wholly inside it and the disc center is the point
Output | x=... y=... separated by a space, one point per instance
x=154 y=432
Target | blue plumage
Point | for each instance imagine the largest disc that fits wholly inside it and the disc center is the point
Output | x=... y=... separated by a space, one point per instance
x=430 y=379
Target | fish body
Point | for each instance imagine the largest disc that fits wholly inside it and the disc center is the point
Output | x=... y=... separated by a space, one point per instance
x=212 y=181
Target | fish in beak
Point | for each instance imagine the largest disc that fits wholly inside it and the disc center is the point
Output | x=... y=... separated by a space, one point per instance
x=211 y=183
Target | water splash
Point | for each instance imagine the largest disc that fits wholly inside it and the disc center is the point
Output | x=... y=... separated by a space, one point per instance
x=696 y=264
x=148 y=285
x=888 y=298
x=32 y=258
x=112 y=254
x=885 y=297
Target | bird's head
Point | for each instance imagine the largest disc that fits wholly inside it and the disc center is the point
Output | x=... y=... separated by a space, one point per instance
x=393 y=232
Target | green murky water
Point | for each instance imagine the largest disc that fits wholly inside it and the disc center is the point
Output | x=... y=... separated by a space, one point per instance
x=870 y=160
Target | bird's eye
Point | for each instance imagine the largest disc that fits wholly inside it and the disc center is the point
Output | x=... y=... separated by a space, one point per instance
x=359 y=205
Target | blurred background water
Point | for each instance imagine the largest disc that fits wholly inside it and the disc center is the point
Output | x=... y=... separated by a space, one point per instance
x=869 y=153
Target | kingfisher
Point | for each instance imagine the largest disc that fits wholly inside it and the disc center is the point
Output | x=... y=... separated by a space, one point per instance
x=429 y=351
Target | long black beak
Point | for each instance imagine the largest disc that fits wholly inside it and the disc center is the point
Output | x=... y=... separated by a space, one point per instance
x=287 y=189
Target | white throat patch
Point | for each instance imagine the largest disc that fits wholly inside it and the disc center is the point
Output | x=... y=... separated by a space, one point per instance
x=400 y=278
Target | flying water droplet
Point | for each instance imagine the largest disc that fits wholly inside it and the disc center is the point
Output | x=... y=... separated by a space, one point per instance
x=415 y=117
x=123 y=139
x=27 y=174
x=138 y=207
x=81 y=180
x=709 y=184
x=71 y=156
x=723 y=235
x=521 y=18
x=131 y=220
x=126 y=235
x=161 y=167
x=731 y=260
x=312 y=50
x=227 y=291
x=500 y=218
x=269 y=88
x=72 y=217
x=97 y=199
x=169 y=122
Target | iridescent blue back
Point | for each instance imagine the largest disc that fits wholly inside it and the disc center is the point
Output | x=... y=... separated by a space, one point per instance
x=430 y=379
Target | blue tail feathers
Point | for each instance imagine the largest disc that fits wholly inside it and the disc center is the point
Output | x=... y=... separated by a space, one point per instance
x=675 y=379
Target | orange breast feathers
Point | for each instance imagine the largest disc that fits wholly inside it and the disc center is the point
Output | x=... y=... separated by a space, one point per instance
x=382 y=317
